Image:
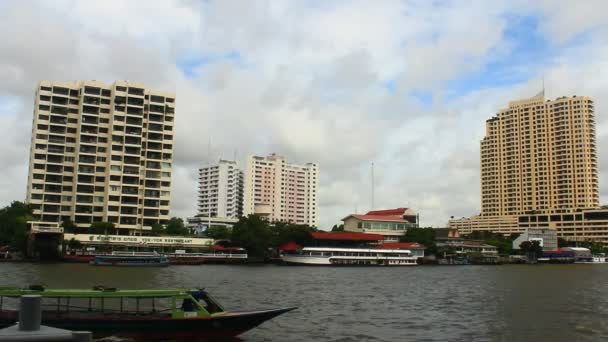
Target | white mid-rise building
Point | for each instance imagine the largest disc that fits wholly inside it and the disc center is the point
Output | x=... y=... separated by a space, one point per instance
x=101 y=152
x=281 y=191
x=221 y=190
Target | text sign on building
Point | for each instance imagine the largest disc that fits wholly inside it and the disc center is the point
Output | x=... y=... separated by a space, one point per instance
x=142 y=240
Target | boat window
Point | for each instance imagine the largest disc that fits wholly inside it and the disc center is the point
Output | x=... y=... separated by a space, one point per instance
x=9 y=303
x=188 y=305
x=148 y=305
x=115 y=305
x=207 y=301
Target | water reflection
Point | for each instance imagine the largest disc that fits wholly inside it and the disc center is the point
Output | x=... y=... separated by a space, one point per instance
x=494 y=303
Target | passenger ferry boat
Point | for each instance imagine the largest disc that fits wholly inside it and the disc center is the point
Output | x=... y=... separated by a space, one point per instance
x=205 y=258
x=130 y=259
x=350 y=257
x=176 y=258
x=593 y=259
x=153 y=314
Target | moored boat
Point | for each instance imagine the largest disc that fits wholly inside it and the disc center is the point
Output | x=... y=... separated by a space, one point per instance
x=350 y=257
x=130 y=260
x=141 y=314
x=593 y=259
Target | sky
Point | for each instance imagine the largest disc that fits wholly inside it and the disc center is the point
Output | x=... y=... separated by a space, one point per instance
x=406 y=85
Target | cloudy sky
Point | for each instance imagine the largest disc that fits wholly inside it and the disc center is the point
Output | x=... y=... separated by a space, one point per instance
x=405 y=84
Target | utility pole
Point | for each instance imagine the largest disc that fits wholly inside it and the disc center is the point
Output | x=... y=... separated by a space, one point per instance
x=372 y=186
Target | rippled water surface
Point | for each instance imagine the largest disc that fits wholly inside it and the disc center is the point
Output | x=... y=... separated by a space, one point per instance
x=424 y=303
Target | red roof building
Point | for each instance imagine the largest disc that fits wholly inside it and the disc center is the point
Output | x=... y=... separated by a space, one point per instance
x=390 y=223
x=346 y=236
x=397 y=212
x=290 y=247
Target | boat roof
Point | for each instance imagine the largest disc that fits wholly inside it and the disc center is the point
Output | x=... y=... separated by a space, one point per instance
x=130 y=256
x=101 y=292
x=370 y=250
x=347 y=236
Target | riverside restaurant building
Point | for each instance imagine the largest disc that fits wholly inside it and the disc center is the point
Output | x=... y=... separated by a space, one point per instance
x=94 y=242
x=390 y=223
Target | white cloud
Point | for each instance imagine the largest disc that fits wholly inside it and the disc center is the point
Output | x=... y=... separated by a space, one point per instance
x=308 y=80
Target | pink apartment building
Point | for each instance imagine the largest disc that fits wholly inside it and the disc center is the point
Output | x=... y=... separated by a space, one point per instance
x=281 y=191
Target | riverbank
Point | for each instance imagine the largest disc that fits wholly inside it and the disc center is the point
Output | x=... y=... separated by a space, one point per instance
x=265 y=261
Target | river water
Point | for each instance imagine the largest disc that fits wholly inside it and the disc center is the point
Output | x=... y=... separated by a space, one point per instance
x=423 y=303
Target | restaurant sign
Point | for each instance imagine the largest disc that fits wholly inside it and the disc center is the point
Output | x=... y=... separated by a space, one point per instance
x=139 y=240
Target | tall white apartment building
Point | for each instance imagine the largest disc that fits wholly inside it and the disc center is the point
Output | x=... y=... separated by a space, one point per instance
x=282 y=191
x=221 y=190
x=101 y=152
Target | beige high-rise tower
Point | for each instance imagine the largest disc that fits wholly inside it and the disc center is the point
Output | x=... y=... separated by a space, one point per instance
x=539 y=170
x=540 y=156
x=101 y=153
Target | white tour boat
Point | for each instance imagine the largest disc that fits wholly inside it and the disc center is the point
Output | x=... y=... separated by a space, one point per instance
x=350 y=257
x=594 y=259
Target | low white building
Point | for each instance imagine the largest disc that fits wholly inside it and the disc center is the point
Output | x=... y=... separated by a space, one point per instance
x=546 y=237
x=200 y=224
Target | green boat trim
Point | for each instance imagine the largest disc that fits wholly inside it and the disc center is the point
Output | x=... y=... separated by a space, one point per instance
x=96 y=293
x=176 y=296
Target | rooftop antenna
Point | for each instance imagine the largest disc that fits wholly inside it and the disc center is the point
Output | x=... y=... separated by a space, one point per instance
x=209 y=152
x=543 y=85
x=542 y=92
x=209 y=202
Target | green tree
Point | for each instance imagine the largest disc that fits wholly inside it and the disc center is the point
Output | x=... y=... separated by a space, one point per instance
x=424 y=236
x=525 y=246
x=282 y=233
x=218 y=233
x=20 y=234
x=561 y=242
x=68 y=225
x=14 y=229
x=101 y=228
x=504 y=244
x=176 y=227
x=337 y=228
x=252 y=233
x=532 y=249
x=594 y=247
x=74 y=244
x=157 y=230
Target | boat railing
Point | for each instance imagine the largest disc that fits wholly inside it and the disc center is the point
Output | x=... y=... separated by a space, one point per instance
x=113 y=305
x=226 y=255
x=122 y=253
x=209 y=255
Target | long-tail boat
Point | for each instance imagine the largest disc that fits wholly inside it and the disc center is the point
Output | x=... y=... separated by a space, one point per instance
x=139 y=314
